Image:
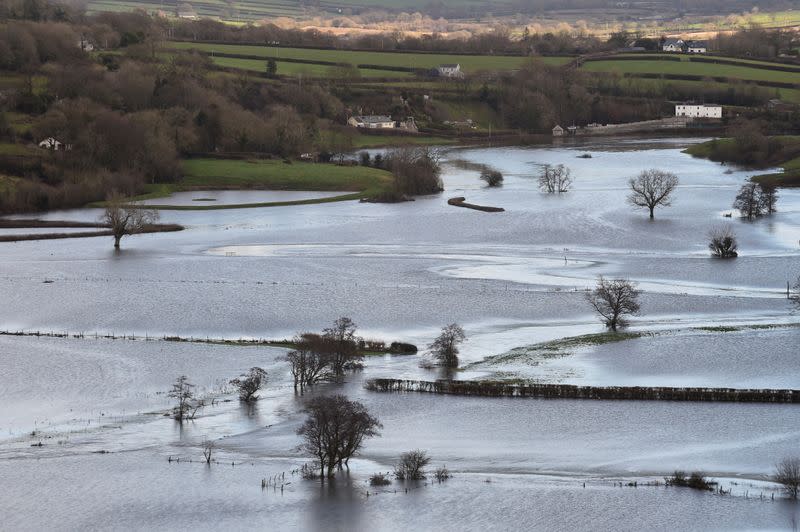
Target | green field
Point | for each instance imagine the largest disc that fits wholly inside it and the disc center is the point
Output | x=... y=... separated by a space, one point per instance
x=377 y=141
x=789 y=95
x=686 y=67
x=789 y=177
x=294 y=69
x=469 y=63
x=231 y=174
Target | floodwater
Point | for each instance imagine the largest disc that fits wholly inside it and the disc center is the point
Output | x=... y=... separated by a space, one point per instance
x=235 y=197
x=401 y=272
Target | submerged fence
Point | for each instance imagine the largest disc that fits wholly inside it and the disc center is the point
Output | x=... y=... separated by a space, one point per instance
x=570 y=391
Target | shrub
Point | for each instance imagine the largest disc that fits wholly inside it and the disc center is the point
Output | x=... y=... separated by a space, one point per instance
x=412 y=465
x=442 y=474
x=695 y=481
x=379 y=479
x=787 y=474
x=493 y=178
x=723 y=243
x=400 y=347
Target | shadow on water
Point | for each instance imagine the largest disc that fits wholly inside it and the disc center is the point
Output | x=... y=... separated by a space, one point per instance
x=339 y=500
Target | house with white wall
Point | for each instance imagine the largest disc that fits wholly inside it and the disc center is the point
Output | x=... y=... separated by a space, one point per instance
x=698 y=110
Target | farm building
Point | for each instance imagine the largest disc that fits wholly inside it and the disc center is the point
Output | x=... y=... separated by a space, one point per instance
x=450 y=71
x=698 y=110
x=673 y=45
x=558 y=131
x=371 y=121
x=51 y=143
x=697 y=47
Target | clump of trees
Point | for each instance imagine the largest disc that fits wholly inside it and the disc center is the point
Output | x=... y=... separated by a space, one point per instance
x=787 y=474
x=445 y=347
x=651 y=189
x=723 y=243
x=492 y=178
x=334 y=431
x=126 y=218
x=248 y=384
x=555 y=179
x=695 y=480
x=412 y=465
x=328 y=355
x=188 y=405
x=754 y=200
x=613 y=300
x=379 y=479
x=416 y=170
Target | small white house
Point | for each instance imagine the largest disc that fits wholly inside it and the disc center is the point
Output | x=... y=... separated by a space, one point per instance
x=698 y=111
x=450 y=71
x=558 y=131
x=51 y=143
x=673 y=45
x=372 y=121
x=698 y=47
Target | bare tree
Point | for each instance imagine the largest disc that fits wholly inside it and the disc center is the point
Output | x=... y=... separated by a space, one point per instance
x=309 y=360
x=335 y=429
x=787 y=474
x=183 y=392
x=493 y=178
x=652 y=188
x=748 y=201
x=445 y=347
x=723 y=242
x=343 y=345
x=208 y=449
x=613 y=300
x=794 y=295
x=126 y=218
x=412 y=465
x=249 y=383
x=555 y=179
x=769 y=198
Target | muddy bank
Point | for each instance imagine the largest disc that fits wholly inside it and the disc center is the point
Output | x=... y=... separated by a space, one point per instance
x=461 y=202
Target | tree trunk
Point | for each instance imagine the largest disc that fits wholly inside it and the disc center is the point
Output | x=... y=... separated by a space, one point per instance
x=651 y=212
x=116 y=241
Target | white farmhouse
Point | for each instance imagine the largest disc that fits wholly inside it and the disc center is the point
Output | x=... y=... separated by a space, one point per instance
x=698 y=111
x=372 y=121
x=51 y=143
x=672 y=45
x=450 y=71
x=698 y=47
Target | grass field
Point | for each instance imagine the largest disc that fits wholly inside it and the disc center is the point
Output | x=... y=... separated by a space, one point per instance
x=356 y=181
x=469 y=63
x=293 y=69
x=7 y=148
x=789 y=95
x=789 y=177
x=686 y=67
x=377 y=141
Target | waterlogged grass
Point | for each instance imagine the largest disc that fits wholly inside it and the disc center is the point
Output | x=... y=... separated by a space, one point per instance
x=377 y=141
x=789 y=177
x=535 y=354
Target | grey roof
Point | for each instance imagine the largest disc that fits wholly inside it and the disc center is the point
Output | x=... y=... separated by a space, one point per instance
x=672 y=41
x=374 y=119
x=701 y=44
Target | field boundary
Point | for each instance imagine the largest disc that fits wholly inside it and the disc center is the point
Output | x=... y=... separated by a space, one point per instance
x=569 y=391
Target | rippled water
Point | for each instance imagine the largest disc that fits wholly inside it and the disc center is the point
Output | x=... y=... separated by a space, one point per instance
x=402 y=271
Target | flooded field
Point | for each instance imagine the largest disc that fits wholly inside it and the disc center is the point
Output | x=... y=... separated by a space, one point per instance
x=402 y=271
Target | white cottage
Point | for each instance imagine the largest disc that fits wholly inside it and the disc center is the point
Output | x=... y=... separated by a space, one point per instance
x=699 y=111
x=372 y=121
x=450 y=71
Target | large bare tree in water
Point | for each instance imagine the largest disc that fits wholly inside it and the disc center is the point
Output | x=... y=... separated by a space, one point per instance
x=124 y=218
x=652 y=188
x=613 y=300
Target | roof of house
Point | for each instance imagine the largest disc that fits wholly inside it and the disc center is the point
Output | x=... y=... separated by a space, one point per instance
x=374 y=119
x=558 y=128
x=698 y=44
x=673 y=41
x=450 y=65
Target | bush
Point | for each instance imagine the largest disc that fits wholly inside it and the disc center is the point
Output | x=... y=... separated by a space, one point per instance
x=695 y=481
x=379 y=479
x=416 y=170
x=400 y=347
x=787 y=474
x=310 y=470
x=412 y=465
x=493 y=178
x=442 y=474
x=723 y=243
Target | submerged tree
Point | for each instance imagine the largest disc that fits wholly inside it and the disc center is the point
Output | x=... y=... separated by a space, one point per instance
x=754 y=200
x=493 y=178
x=412 y=465
x=183 y=392
x=445 y=347
x=309 y=360
x=555 y=179
x=335 y=430
x=249 y=383
x=723 y=243
x=613 y=300
x=794 y=295
x=652 y=188
x=787 y=474
x=342 y=345
x=126 y=218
